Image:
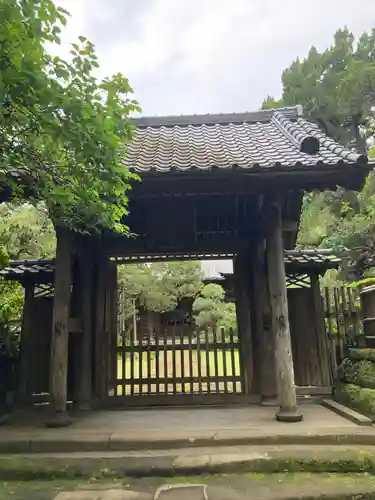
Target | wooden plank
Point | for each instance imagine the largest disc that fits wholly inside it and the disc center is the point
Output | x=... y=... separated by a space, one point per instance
x=332 y=341
x=242 y=273
x=165 y=352
x=157 y=362
x=338 y=322
x=280 y=319
x=225 y=367
x=207 y=351
x=211 y=346
x=123 y=354
x=75 y=325
x=322 y=344
x=190 y=353
x=140 y=359
x=85 y=266
x=61 y=315
x=199 y=363
x=109 y=319
x=170 y=380
x=182 y=357
x=174 y=367
x=181 y=400
x=100 y=379
x=354 y=313
x=216 y=361
x=113 y=323
x=314 y=391
x=132 y=363
x=345 y=314
x=233 y=362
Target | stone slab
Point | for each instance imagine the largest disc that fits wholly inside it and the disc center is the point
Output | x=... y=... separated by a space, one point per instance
x=52 y=441
x=181 y=492
x=181 y=462
x=346 y=412
x=113 y=494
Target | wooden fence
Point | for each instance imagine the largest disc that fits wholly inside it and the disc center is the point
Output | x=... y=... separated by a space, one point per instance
x=207 y=364
x=343 y=321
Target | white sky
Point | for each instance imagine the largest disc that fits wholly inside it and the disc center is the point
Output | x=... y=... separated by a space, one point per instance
x=208 y=56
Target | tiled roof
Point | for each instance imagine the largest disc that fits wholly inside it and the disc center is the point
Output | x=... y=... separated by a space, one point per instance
x=20 y=269
x=279 y=139
x=312 y=258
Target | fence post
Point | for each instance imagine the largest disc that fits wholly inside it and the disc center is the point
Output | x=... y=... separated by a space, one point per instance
x=367 y=295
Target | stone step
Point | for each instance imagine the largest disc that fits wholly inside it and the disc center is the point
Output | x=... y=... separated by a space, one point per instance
x=190 y=461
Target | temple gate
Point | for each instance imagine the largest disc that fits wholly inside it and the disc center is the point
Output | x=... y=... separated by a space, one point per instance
x=212 y=185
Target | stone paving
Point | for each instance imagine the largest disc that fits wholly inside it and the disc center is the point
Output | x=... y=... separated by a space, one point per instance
x=186 y=419
x=220 y=487
x=168 y=428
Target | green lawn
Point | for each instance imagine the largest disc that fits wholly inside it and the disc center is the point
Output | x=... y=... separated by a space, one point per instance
x=179 y=365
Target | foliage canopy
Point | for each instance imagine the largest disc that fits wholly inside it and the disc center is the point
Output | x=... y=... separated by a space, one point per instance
x=63 y=133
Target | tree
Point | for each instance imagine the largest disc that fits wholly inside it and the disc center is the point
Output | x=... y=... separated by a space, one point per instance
x=336 y=87
x=26 y=232
x=158 y=287
x=63 y=133
x=209 y=308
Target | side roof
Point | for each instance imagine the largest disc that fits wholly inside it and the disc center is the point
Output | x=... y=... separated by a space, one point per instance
x=269 y=139
x=35 y=270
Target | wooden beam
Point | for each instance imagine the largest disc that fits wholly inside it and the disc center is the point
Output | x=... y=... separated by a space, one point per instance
x=280 y=319
x=60 y=331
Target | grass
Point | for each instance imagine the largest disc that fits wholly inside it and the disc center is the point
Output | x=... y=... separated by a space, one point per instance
x=180 y=365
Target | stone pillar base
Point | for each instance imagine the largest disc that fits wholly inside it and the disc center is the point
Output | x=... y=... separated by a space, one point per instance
x=60 y=419
x=83 y=406
x=292 y=415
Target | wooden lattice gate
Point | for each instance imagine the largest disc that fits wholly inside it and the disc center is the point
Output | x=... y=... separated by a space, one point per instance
x=176 y=365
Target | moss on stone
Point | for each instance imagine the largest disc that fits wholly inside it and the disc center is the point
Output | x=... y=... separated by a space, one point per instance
x=24 y=469
x=356 y=397
x=360 y=373
x=362 y=354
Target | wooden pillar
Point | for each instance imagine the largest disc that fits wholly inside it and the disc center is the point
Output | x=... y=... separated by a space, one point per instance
x=25 y=379
x=101 y=362
x=86 y=270
x=241 y=284
x=60 y=331
x=111 y=322
x=264 y=331
x=280 y=321
x=75 y=336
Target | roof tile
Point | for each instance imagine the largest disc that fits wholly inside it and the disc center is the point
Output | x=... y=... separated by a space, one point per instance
x=262 y=140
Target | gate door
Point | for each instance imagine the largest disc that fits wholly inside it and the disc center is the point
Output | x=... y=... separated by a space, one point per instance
x=177 y=366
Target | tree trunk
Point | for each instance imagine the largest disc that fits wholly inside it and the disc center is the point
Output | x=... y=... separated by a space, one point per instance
x=280 y=320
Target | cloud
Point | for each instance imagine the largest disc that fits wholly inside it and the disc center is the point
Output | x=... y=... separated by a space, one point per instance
x=198 y=56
